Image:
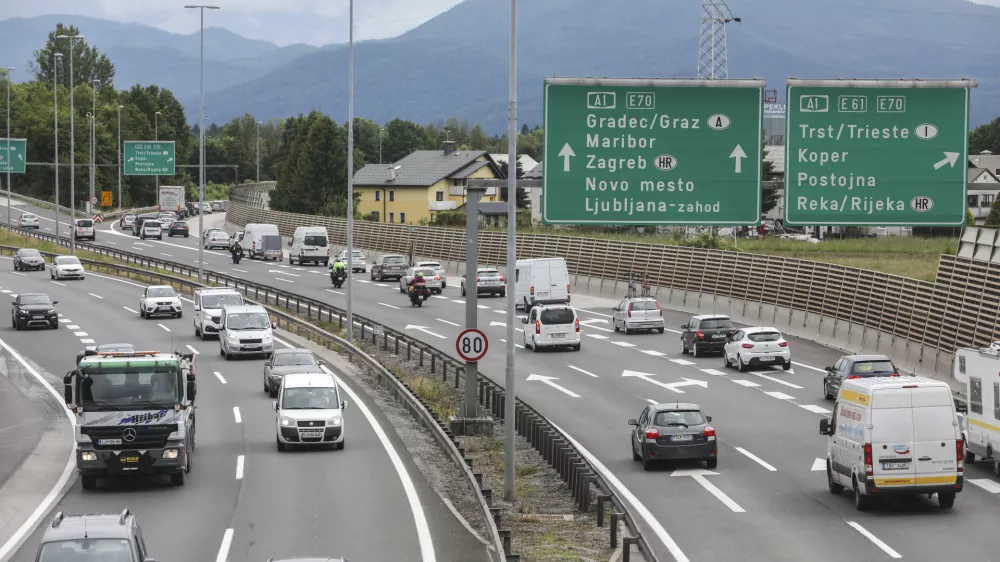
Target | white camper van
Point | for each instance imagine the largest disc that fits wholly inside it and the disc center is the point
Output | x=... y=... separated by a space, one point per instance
x=262 y=241
x=309 y=244
x=978 y=368
x=894 y=436
x=541 y=281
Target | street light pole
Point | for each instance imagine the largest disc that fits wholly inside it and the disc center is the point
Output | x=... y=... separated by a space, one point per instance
x=93 y=145
x=120 y=206
x=350 y=172
x=380 y=130
x=201 y=139
x=56 y=65
x=156 y=137
x=72 y=143
x=258 y=151
x=9 y=161
x=509 y=396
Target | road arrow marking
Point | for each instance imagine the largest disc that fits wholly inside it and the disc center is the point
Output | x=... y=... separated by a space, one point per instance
x=492 y=323
x=986 y=484
x=446 y=322
x=748 y=384
x=713 y=372
x=673 y=386
x=739 y=155
x=819 y=464
x=582 y=371
x=548 y=381
x=698 y=475
x=566 y=152
x=756 y=459
x=282 y=272
x=589 y=324
x=949 y=158
x=424 y=330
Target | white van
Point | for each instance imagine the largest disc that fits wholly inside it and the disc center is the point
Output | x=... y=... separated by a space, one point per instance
x=208 y=305
x=262 y=241
x=309 y=411
x=551 y=326
x=894 y=435
x=309 y=244
x=245 y=330
x=541 y=281
x=981 y=423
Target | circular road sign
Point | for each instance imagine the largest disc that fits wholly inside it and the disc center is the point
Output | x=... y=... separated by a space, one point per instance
x=93 y=200
x=472 y=345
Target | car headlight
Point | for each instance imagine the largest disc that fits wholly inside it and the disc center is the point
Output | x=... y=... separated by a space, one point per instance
x=335 y=420
x=287 y=421
x=206 y=315
x=88 y=456
x=268 y=338
x=171 y=454
x=230 y=336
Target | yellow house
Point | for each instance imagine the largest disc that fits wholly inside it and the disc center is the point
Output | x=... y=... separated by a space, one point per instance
x=423 y=184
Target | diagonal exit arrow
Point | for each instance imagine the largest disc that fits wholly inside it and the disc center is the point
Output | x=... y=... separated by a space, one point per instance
x=949 y=158
x=672 y=386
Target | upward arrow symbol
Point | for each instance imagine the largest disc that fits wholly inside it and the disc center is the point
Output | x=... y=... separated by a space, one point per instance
x=566 y=152
x=739 y=155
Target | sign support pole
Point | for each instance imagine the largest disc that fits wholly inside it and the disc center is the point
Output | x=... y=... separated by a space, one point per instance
x=509 y=375
x=471 y=408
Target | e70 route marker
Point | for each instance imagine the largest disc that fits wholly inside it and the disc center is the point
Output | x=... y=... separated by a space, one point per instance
x=472 y=345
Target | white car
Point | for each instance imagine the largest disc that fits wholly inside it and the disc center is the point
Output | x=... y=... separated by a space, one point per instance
x=638 y=313
x=358 y=261
x=126 y=221
x=66 y=267
x=28 y=220
x=151 y=229
x=309 y=411
x=159 y=300
x=217 y=239
x=553 y=325
x=757 y=347
x=84 y=228
x=436 y=266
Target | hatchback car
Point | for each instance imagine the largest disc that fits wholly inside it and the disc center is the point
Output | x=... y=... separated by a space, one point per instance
x=856 y=367
x=84 y=228
x=66 y=267
x=152 y=229
x=436 y=266
x=94 y=536
x=286 y=362
x=705 y=333
x=178 y=228
x=309 y=411
x=28 y=220
x=217 y=239
x=431 y=278
x=674 y=431
x=217 y=206
x=488 y=282
x=126 y=221
x=640 y=313
x=206 y=209
x=159 y=300
x=167 y=217
x=388 y=265
x=34 y=310
x=137 y=223
x=28 y=258
x=756 y=347
x=359 y=263
x=551 y=326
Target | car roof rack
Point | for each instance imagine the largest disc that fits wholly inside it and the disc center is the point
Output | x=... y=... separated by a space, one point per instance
x=123 y=516
x=57 y=520
x=128 y=353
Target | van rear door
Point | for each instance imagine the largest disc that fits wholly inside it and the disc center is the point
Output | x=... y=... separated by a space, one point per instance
x=541 y=280
x=558 y=280
x=934 y=436
x=893 y=460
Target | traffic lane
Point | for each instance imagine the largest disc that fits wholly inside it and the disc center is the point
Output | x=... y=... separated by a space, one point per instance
x=22 y=420
x=210 y=490
x=47 y=217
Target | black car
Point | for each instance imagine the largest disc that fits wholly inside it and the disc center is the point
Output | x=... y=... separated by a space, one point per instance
x=706 y=332
x=137 y=223
x=178 y=228
x=28 y=258
x=674 y=431
x=32 y=310
x=856 y=367
x=388 y=265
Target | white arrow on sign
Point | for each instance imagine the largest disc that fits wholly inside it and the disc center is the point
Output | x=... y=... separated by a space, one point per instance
x=667 y=385
x=282 y=272
x=424 y=330
x=739 y=155
x=949 y=158
x=566 y=152
x=548 y=381
x=698 y=475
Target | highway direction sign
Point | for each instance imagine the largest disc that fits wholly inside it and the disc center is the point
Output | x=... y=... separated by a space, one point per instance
x=877 y=152
x=637 y=151
x=472 y=345
x=13 y=155
x=149 y=158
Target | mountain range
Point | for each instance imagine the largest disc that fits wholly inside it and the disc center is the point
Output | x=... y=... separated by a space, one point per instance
x=457 y=63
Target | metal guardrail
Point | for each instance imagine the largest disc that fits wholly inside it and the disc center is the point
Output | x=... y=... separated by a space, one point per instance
x=555 y=447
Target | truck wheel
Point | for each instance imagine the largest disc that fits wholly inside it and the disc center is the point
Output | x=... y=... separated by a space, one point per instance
x=861 y=502
x=177 y=479
x=88 y=482
x=835 y=488
x=970 y=457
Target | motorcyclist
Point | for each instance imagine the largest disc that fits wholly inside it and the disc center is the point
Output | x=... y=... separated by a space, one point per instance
x=418 y=280
x=236 y=250
x=339 y=267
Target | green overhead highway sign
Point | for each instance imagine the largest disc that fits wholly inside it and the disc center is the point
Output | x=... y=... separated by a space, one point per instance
x=638 y=151
x=149 y=158
x=13 y=155
x=877 y=152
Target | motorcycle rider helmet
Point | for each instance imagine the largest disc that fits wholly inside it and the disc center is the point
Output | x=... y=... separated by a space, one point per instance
x=420 y=274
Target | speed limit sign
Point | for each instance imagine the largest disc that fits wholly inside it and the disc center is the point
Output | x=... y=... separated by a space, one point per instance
x=472 y=345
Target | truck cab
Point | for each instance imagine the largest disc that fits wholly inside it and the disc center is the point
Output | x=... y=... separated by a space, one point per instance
x=134 y=414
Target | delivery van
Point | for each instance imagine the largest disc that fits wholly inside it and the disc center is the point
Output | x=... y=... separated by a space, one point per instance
x=978 y=368
x=309 y=244
x=894 y=436
x=541 y=281
x=262 y=241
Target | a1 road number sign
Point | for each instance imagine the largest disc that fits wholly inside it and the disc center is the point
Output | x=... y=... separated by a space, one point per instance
x=472 y=345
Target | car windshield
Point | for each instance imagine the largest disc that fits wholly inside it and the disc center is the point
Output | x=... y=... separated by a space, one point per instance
x=30 y=254
x=247 y=321
x=296 y=358
x=875 y=367
x=151 y=224
x=716 y=324
x=488 y=273
x=310 y=398
x=67 y=260
x=220 y=235
x=212 y=231
x=764 y=336
x=179 y=224
x=315 y=240
x=557 y=316
x=84 y=223
x=27 y=216
x=129 y=217
x=678 y=418
x=122 y=390
x=87 y=550
x=160 y=292
x=219 y=301
x=427 y=272
x=394 y=259
x=35 y=299
x=431 y=264
x=644 y=305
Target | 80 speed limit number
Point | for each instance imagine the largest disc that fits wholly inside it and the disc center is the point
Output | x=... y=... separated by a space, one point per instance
x=472 y=345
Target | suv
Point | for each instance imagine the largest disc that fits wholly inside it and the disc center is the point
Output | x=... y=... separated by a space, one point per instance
x=159 y=299
x=856 y=367
x=388 y=265
x=488 y=281
x=84 y=228
x=638 y=313
x=104 y=536
x=707 y=332
x=208 y=305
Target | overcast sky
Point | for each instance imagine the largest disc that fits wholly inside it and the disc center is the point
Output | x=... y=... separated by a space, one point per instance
x=316 y=22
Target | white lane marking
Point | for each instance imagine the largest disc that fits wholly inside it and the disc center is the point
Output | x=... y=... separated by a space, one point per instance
x=241 y=270
x=592 y=312
x=130 y=310
x=106 y=241
x=219 y=376
x=432 y=296
x=239 y=467
x=335 y=292
x=5 y=291
x=376 y=284
x=19 y=273
x=446 y=322
x=682 y=361
x=482 y=306
x=164 y=327
x=72 y=326
x=653 y=352
x=623 y=344
x=96 y=296
x=32 y=520
x=672 y=331
x=878 y=542
x=500 y=311
x=389 y=305
x=815 y=409
x=756 y=459
x=548 y=381
x=517 y=345
x=582 y=371
x=713 y=372
x=986 y=484
x=57 y=283
x=748 y=384
x=651 y=401
x=780 y=395
x=66 y=321
x=363 y=281
x=86 y=340
x=283 y=279
x=777 y=380
x=698 y=475
x=80 y=334
x=236 y=414
x=193 y=350
x=808 y=366
x=459 y=301
x=416 y=508
x=168 y=255
x=227 y=540
x=596 y=336
x=818 y=464
x=589 y=324
x=142 y=244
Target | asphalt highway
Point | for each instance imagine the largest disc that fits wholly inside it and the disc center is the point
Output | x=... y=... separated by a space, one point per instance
x=243 y=500
x=767 y=500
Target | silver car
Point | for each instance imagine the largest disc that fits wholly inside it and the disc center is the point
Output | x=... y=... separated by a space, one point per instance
x=286 y=362
x=436 y=266
x=217 y=239
x=431 y=278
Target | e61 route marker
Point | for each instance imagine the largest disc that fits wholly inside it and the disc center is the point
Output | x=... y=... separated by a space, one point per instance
x=13 y=155
x=472 y=345
x=645 y=151
x=877 y=152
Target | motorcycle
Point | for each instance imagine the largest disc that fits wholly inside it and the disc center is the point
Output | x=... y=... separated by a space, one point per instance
x=418 y=294
x=237 y=256
x=338 y=278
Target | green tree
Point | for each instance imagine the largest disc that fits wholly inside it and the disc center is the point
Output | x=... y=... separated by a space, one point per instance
x=985 y=137
x=366 y=141
x=522 y=196
x=993 y=219
x=970 y=219
x=478 y=139
x=769 y=197
x=401 y=138
x=88 y=63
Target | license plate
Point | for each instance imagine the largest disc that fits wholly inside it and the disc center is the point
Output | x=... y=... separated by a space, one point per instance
x=895 y=465
x=558 y=336
x=251 y=347
x=682 y=437
x=37 y=317
x=163 y=308
x=767 y=358
x=109 y=441
x=718 y=336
